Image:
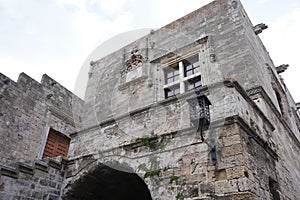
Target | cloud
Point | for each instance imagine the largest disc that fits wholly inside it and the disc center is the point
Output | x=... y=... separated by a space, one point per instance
x=48 y=36
x=262 y=1
x=112 y=6
x=55 y=37
x=169 y=10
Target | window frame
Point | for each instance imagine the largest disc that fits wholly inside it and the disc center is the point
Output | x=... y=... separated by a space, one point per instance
x=174 y=71
x=195 y=66
x=176 y=75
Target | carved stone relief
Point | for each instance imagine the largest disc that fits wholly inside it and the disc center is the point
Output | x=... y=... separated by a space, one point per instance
x=135 y=60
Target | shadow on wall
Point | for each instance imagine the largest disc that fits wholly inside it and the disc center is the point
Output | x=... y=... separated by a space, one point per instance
x=105 y=183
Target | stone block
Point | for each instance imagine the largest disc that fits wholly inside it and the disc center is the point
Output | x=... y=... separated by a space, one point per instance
x=221 y=175
x=236 y=172
x=232 y=150
x=231 y=161
x=231 y=140
x=206 y=188
x=226 y=186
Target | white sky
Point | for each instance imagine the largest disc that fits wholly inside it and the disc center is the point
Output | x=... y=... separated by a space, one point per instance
x=56 y=36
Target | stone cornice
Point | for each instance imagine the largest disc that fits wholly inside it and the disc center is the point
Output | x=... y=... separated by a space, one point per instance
x=264 y=95
x=237 y=86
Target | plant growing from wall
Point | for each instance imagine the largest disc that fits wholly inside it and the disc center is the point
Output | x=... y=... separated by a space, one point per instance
x=145 y=141
x=162 y=146
x=179 y=196
x=192 y=162
x=151 y=173
x=174 y=178
x=252 y=124
x=154 y=170
x=143 y=167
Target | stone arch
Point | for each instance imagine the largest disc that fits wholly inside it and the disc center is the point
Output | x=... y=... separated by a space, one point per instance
x=106 y=182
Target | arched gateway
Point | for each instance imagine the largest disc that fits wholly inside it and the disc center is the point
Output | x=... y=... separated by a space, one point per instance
x=106 y=183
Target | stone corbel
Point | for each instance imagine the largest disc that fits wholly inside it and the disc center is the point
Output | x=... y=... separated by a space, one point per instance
x=281 y=68
x=259 y=28
x=298 y=106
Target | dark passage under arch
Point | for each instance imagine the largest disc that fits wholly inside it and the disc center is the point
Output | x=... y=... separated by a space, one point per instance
x=105 y=183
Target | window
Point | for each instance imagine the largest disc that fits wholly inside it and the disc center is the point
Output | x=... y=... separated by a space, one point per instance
x=172 y=74
x=182 y=76
x=172 y=91
x=57 y=144
x=193 y=83
x=191 y=66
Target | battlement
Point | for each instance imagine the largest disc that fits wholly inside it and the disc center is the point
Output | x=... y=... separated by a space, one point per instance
x=48 y=88
x=25 y=81
x=28 y=110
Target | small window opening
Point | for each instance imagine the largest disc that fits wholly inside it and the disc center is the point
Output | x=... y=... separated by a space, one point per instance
x=274 y=187
x=172 y=74
x=279 y=100
x=172 y=91
x=191 y=65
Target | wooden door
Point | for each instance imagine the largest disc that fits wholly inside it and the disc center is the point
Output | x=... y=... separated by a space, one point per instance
x=57 y=144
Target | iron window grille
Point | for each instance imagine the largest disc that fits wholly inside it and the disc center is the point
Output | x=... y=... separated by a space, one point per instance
x=199 y=111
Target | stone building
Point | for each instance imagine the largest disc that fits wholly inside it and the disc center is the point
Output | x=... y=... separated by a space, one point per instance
x=193 y=110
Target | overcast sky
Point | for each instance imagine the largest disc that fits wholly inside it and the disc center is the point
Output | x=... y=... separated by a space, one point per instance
x=56 y=36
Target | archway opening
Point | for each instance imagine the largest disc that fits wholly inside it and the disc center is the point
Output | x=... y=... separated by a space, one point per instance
x=106 y=183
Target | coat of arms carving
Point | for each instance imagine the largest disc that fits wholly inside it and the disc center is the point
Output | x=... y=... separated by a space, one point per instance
x=135 y=60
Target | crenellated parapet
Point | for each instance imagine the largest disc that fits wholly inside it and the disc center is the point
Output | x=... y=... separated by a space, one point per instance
x=28 y=110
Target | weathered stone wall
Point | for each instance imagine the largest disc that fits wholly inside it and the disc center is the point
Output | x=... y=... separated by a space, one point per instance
x=237 y=50
x=283 y=140
x=127 y=118
x=35 y=180
x=28 y=109
x=179 y=165
x=249 y=150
